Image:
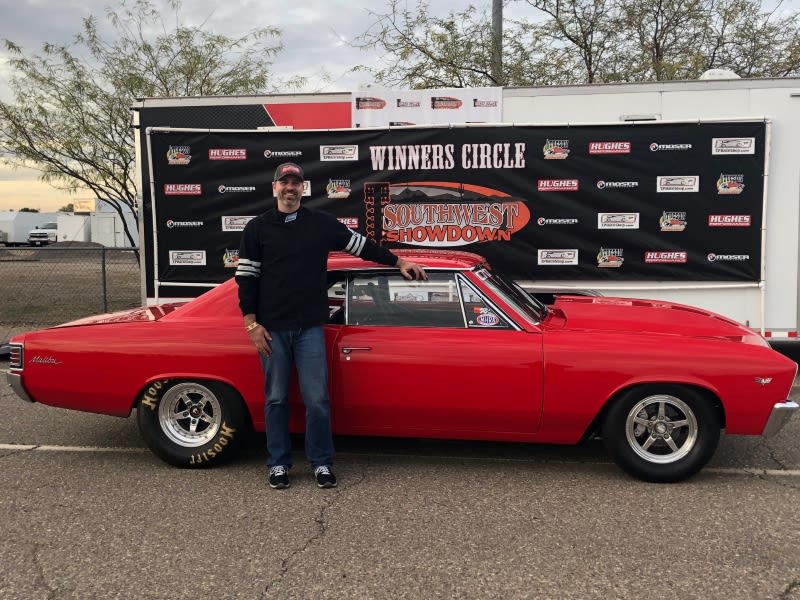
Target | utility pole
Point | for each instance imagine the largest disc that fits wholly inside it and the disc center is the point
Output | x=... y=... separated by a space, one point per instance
x=497 y=42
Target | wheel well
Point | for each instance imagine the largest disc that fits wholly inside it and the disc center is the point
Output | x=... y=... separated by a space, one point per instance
x=594 y=428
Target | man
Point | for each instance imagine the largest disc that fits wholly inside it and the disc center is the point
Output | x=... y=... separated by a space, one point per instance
x=283 y=297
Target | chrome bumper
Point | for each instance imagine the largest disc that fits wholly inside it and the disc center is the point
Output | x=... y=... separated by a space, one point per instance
x=15 y=381
x=780 y=414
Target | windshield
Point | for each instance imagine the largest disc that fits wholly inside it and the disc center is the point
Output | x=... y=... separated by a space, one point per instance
x=513 y=294
x=49 y=226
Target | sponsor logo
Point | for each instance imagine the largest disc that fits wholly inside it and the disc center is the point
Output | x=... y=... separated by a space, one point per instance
x=400 y=123
x=655 y=147
x=183 y=189
x=231 y=258
x=602 y=185
x=558 y=256
x=349 y=222
x=227 y=154
x=179 y=155
x=543 y=221
x=657 y=256
x=556 y=149
x=227 y=189
x=712 y=257
x=610 y=258
x=282 y=153
x=235 y=223
x=557 y=185
x=609 y=147
x=180 y=224
x=677 y=183
x=618 y=220
x=370 y=103
x=187 y=257
x=408 y=103
x=733 y=145
x=445 y=102
x=484 y=103
x=338 y=188
x=730 y=220
x=672 y=221
x=332 y=153
x=486 y=318
x=730 y=184
x=45 y=360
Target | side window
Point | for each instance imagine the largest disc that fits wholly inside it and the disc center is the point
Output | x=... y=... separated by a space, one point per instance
x=337 y=293
x=388 y=299
x=480 y=315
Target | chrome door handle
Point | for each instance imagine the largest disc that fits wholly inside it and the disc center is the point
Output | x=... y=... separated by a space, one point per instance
x=353 y=349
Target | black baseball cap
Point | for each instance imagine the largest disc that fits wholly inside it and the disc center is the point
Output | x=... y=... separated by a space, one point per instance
x=288 y=168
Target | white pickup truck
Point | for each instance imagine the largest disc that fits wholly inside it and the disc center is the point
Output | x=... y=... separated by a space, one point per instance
x=45 y=234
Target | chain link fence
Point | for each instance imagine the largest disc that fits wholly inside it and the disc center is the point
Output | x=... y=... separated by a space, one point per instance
x=45 y=286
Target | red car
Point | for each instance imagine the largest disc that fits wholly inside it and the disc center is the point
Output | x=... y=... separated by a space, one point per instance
x=465 y=355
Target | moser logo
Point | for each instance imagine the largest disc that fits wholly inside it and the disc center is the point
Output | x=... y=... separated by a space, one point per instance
x=556 y=149
x=235 y=223
x=338 y=188
x=712 y=257
x=557 y=185
x=672 y=221
x=730 y=184
x=181 y=224
x=656 y=147
x=183 y=189
x=558 y=256
x=227 y=189
x=660 y=256
x=733 y=145
x=282 y=153
x=484 y=103
x=408 y=103
x=187 y=257
x=445 y=102
x=227 y=154
x=611 y=185
x=179 y=155
x=609 y=147
x=350 y=222
x=543 y=221
x=730 y=220
x=334 y=153
x=618 y=220
x=610 y=258
x=230 y=259
x=369 y=103
x=677 y=183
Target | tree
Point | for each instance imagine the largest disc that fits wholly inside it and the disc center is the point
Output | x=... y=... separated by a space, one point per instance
x=70 y=117
x=67 y=208
x=28 y=210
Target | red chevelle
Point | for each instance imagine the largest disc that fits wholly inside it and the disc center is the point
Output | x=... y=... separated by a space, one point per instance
x=464 y=355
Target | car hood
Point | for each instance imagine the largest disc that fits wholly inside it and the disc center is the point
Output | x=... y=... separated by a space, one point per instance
x=144 y=313
x=647 y=316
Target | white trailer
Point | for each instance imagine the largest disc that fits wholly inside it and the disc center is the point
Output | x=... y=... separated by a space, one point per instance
x=15 y=225
x=771 y=305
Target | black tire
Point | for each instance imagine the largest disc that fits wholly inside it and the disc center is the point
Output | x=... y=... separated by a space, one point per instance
x=661 y=433
x=192 y=424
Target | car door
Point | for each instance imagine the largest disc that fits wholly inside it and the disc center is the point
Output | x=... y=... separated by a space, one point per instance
x=432 y=358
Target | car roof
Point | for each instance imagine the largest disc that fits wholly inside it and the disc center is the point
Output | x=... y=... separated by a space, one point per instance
x=430 y=258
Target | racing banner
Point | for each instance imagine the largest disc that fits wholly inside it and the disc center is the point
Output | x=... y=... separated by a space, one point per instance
x=649 y=202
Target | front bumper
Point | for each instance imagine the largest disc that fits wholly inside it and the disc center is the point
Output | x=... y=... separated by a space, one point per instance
x=15 y=381
x=780 y=414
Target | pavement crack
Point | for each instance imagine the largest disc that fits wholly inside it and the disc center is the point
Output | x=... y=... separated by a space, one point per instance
x=19 y=451
x=39 y=579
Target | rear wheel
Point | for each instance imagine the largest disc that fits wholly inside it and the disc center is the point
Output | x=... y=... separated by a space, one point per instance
x=661 y=433
x=192 y=424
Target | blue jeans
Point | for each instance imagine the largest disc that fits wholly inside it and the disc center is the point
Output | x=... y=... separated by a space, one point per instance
x=304 y=349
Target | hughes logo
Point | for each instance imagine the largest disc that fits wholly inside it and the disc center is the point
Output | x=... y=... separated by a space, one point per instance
x=730 y=220
x=609 y=147
x=227 y=154
x=655 y=256
x=350 y=222
x=370 y=103
x=183 y=189
x=445 y=102
x=557 y=185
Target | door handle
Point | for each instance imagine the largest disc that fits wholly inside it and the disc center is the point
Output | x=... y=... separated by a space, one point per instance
x=355 y=348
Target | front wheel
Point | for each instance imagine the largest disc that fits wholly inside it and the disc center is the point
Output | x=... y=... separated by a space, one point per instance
x=661 y=433
x=191 y=424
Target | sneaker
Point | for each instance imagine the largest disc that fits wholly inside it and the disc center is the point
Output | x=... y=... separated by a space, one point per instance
x=325 y=477
x=278 y=477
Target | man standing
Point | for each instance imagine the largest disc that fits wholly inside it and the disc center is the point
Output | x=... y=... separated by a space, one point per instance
x=283 y=297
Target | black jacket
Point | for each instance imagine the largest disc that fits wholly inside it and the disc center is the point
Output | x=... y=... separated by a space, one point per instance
x=283 y=265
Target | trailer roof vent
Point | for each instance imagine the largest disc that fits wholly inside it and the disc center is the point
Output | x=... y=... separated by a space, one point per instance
x=719 y=74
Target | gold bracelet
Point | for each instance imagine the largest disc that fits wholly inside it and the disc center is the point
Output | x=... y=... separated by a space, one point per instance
x=252 y=326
